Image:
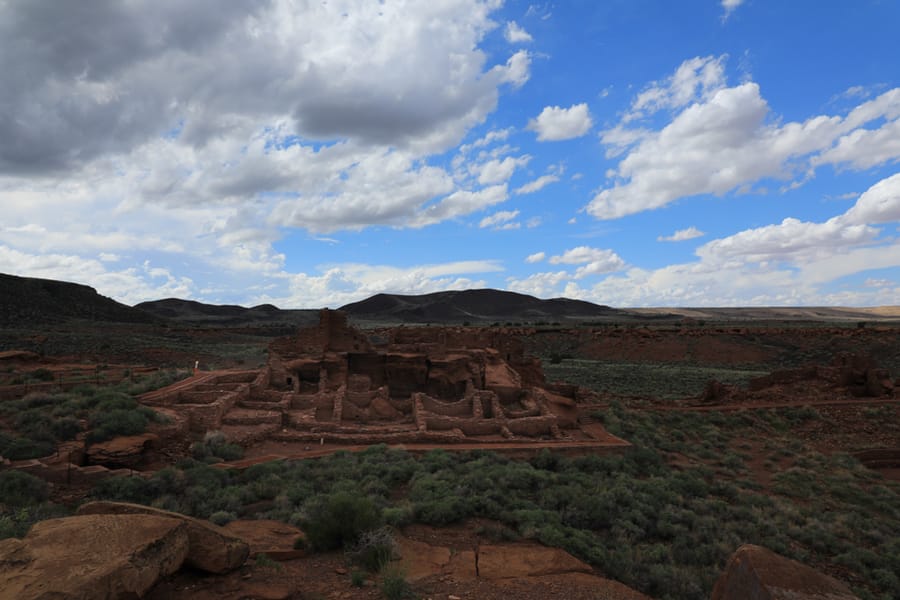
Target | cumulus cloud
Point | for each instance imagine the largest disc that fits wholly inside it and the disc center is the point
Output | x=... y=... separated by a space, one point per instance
x=556 y=123
x=787 y=263
x=695 y=78
x=536 y=185
x=584 y=254
x=341 y=284
x=88 y=79
x=536 y=257
x=501 y=219
x=517 y=70
x=460 y=203
x=878 y=204
x=681 y=235
x=542 y=285
x=498 y=171
x=724 y=139
x=515 y=34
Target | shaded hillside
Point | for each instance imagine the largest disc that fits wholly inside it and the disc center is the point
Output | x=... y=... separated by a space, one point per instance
x=30 y=301
x=198 y=313
x=474 y=305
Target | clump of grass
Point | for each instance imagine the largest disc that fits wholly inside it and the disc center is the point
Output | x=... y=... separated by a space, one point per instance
x=394 y=585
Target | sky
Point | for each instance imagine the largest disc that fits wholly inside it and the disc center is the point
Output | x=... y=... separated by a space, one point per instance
x=314 y=153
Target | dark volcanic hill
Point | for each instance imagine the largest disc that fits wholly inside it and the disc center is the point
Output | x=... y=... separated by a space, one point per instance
x=198 y=313
x=30 y=301
x=474 y=305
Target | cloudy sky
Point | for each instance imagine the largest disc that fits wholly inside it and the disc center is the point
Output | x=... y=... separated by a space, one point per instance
x=313 y=153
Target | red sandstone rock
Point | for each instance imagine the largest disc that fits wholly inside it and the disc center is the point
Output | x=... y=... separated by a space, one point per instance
x=92 y=557
x=124 y=451
x=755 y=573
x=212 y=548
x=272 y=538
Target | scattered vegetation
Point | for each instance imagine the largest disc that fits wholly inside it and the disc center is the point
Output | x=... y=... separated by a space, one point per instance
x=659 y=380
x=665 y=531
x=394 y=585
x=216 y=448
x=39 y=421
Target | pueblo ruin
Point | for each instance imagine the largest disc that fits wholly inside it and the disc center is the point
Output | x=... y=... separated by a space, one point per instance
x=406 y=385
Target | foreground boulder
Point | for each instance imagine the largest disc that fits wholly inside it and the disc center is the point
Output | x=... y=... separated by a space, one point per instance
x=92 y=557
x=755 y=573
x=211 y=548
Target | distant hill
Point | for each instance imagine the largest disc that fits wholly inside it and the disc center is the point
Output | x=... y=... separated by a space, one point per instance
x=474 y=305
x=30 y=301
x=198 y=313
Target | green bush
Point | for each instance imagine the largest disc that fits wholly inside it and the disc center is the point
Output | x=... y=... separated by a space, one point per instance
x=21 y=489
x=394 y=585
x=373 y=550
x=358 y=578
x=107 y=425
x=215 y=447
x=41 y=374
x=338 y=520
x=222 y=517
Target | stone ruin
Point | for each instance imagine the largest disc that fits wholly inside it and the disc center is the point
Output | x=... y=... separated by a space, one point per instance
x=853 y=375
x=333 y=383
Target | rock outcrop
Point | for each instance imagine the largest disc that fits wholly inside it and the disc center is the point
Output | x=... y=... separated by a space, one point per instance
x=125 y=451
x=92 y=557
x=756 y=573
x=211 y=548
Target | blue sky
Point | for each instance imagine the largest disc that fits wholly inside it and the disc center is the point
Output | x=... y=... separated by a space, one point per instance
x=631 y=153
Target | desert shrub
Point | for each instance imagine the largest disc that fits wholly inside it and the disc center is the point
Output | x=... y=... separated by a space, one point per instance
x=18 y=488
x=393 y=583
x=125 y=489
x=66 y=428
x=437 y=501
x=338 y=520
x=107 y=425
x=22 y=448
x=17 y=521
x=373 y=550
x=215 y=447
x=222 y=517
x=41 y=374
x=357 y=578
x=398 y=516
x=155 y=381
x=264 y=561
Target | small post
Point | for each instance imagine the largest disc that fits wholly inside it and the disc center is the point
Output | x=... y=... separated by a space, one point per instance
x=196 y=367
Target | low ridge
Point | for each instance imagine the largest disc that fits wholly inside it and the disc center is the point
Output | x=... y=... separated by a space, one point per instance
x=476 y=305
x=27 y=300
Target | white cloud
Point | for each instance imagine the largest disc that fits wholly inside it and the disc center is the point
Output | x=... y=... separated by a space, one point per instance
x=696 y=78
x=495 y=135
x=878 y=204
x=681 y=235
x=515 y=34
x=584 y=254
x=130 y=285
x=788 y=263
x=498 y=171
x=460 y=203
x=556 y=123
x=542 y=285
x=345 y=283
x=536 y=257
x=500 y=219
x=536 y=185
x=729 y=6
x=724 y=140
x=517 y=70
